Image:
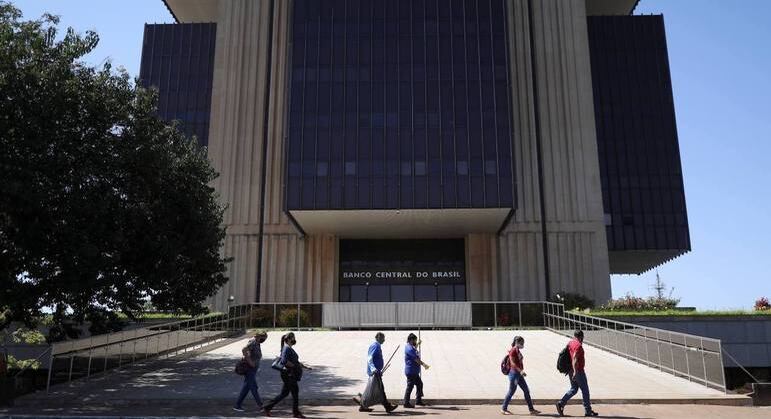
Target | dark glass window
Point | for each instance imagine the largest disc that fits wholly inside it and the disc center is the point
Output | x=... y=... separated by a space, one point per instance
x=422 y=84
x=640 y=170
x=178 y=60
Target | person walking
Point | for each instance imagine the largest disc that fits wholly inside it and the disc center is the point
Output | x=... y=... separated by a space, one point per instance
x=412 y=364
x=375 y=370
x=252 y=354
x=517 y=376
x=577 y=376
x=291 y=373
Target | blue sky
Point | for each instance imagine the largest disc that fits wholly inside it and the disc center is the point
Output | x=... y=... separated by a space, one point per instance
x=721 y=63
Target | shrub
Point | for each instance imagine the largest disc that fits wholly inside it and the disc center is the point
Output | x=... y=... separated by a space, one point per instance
x=261 y=317
x=762 y=304
x=572 y=300
x=631 y=303
x=287 y=317
x=20 y=364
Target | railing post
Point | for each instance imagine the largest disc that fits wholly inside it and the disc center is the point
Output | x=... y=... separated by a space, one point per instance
x=703 y=361
x=519 y=313
x=120 y=354
x=274 y=315
x=69 y=375
x=647 y=355
x=298 y=317
x=88 y=373
x=658 y=349
x=50 y=367
x=105 y=355
x=672 y=355
x=495 y=315
x=687 y=363
x=722 y=367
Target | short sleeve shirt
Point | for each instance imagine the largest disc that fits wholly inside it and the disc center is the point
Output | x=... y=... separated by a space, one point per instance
x=516 y=359
x=577 y=354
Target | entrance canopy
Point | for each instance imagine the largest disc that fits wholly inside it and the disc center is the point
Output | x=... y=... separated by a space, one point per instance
x=413 y=223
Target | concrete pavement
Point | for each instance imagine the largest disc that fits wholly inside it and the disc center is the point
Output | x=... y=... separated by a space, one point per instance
x=464 y=370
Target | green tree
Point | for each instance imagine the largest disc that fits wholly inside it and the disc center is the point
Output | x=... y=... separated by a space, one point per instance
x=102 y=204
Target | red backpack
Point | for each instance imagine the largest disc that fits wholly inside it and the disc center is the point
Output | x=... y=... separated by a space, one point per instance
x=505 y=365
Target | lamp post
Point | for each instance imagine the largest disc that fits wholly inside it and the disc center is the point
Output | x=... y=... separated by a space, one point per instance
x=230 y=301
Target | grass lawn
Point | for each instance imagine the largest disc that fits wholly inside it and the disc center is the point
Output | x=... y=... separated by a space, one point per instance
x=675 y=313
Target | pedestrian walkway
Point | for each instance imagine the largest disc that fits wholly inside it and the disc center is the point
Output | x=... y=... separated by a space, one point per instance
x=222 y=409
x=464 y=370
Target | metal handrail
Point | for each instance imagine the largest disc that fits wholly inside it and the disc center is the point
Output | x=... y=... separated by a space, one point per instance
x=637 y=326
x=559 y=322
x=633 y=326
x=221 y=325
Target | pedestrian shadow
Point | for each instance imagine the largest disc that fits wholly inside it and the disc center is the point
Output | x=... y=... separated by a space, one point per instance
x=206 y=376
x=319 y=383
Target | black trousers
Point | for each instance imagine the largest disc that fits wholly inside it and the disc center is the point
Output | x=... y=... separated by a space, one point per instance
x=290 y=387
x=413 y=381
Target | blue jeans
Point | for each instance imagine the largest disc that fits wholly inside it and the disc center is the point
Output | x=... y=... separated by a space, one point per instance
x=250 y=385
x=515 y=378
x=578 y=381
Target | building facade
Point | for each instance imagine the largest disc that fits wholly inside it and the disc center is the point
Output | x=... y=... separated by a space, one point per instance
x=420 y=150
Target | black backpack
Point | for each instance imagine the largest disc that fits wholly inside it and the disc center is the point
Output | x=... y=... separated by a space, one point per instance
x=563 y=361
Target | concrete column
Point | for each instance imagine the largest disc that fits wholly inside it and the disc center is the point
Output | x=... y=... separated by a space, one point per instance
x=577 y=248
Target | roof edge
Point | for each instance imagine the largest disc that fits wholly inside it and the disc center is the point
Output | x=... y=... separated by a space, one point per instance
x=176 y=19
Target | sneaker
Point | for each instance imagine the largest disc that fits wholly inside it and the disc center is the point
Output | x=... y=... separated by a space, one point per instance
x=408 y=405
x=560 y=409
x=591 y=413
x=364 y=409
x=420 y=403
x=391 y=408
x=506 y=412
x=238 y=409
x=535 y=412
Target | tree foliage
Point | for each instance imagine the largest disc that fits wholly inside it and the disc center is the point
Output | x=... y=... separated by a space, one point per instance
x=102 y=204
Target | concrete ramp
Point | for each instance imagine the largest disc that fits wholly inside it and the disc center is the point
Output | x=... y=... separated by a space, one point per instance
x=464 y=370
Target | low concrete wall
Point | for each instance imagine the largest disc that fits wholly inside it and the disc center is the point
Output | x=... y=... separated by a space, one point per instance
x=746 y=338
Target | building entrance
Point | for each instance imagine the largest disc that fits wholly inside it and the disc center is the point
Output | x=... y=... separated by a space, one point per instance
x=402 y=270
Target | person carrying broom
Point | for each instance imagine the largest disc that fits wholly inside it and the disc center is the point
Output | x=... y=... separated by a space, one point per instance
x=375 y=391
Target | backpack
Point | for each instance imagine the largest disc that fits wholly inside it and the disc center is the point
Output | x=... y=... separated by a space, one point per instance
x=505 y=366
x=563 y=361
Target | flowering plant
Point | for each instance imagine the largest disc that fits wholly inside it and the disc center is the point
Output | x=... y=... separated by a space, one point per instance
x=762 y=304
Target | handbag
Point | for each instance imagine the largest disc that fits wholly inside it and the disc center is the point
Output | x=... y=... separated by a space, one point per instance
x=277 y=365
x=241 y=366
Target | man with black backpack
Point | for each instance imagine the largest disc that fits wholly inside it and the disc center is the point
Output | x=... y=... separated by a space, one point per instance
x=576 y=373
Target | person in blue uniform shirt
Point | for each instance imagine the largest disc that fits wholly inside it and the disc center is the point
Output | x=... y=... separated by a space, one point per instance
x=412 y=364
x=375 y=367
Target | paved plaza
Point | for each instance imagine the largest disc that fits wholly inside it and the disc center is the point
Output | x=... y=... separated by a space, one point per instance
x=464 y=371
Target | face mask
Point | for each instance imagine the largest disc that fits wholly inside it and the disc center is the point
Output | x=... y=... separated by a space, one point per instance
x=520 y=346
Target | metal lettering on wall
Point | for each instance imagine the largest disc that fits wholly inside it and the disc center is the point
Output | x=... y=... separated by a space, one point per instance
x=351 y=276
